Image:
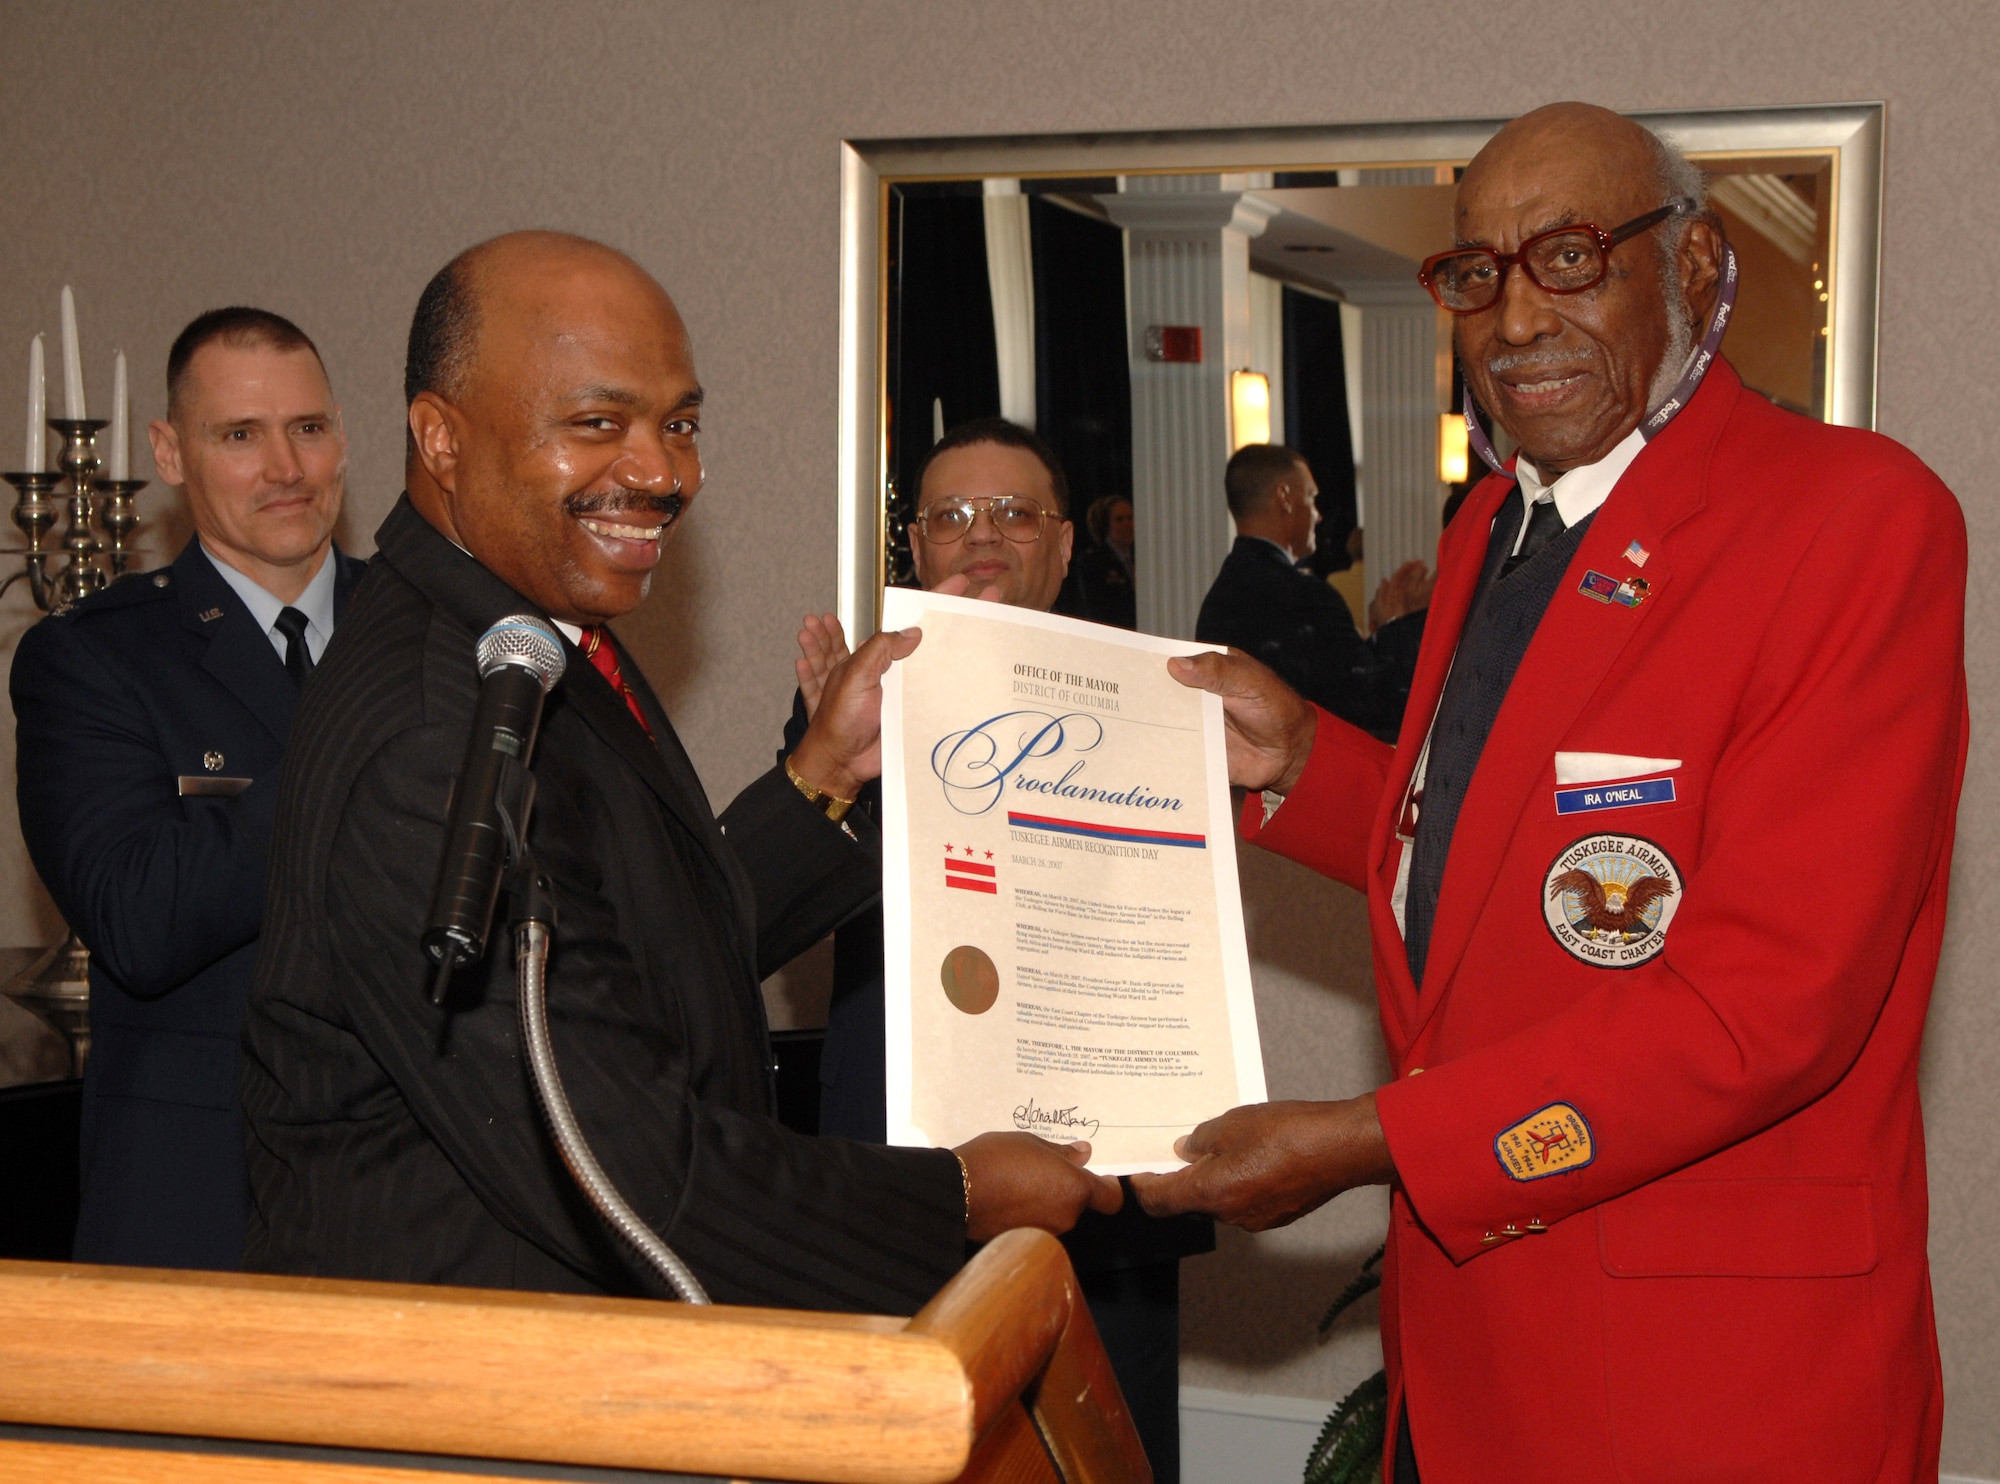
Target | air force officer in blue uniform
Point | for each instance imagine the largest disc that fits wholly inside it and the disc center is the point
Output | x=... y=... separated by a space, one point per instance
x=151 y=718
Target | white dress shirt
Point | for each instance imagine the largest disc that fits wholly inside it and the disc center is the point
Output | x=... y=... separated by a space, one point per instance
x=316 y=603
x=1580 y=491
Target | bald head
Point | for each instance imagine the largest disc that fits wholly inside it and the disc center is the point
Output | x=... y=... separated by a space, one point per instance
x=1571 y=375
x=553 y=417
x=444 y=331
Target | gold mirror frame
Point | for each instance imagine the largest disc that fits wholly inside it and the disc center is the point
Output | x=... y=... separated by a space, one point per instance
x=1850 y=136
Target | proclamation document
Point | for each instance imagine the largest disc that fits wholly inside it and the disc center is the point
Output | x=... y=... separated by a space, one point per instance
x=1063 y=930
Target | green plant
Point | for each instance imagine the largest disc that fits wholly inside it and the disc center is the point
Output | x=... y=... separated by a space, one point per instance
x=1349 y=1449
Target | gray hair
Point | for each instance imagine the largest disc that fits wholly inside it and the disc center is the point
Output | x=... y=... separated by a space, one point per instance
x=1680 y=180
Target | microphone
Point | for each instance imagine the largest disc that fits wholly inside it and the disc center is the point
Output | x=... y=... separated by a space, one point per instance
x=520 y=659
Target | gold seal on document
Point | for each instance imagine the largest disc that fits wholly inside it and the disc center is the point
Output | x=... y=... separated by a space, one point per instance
x=970 y=980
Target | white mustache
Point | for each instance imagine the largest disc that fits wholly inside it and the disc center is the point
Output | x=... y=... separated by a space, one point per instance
x=1517 y=360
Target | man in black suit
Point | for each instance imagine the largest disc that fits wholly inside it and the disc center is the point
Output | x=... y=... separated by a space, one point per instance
x=553 y=421
x=150 y=719
x=1262 y=604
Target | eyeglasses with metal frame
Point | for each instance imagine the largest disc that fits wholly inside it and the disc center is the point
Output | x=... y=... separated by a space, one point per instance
x=1016 y=517
x=1563 y=260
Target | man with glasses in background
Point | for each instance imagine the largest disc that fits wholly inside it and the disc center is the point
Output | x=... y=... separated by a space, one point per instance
x=1656 y=874
x=993 y=522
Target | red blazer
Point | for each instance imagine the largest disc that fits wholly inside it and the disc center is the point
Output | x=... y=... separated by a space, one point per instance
x=1661 y=1204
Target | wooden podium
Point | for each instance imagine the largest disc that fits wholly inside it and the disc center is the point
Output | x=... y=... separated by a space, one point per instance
x=129 y=1374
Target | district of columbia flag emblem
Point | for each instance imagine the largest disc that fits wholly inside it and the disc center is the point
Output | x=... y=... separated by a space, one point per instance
x=966 y=869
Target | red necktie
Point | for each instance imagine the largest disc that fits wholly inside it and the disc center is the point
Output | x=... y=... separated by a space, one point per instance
x=597 y=648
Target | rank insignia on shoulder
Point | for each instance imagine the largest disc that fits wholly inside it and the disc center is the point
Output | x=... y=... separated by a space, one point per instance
x=1545 y=1143
x=1627 y=594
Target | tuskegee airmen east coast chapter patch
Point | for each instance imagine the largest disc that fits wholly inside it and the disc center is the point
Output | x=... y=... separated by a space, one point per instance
x=1545 y=1143
x=1608 y=899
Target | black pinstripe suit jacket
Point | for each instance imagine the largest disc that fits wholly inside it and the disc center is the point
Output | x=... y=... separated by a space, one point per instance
x=393 y=1140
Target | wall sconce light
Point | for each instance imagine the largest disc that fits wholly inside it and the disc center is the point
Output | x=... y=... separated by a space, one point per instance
x=1249 y=408
x=1452 y=464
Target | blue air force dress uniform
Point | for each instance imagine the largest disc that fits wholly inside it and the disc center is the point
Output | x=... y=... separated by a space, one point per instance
x=150 y=721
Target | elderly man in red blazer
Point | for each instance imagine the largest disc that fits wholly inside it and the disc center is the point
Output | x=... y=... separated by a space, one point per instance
x=1656 y=879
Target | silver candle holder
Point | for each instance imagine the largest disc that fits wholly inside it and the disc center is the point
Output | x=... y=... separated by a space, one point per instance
x=57 y=986
x=94 y=504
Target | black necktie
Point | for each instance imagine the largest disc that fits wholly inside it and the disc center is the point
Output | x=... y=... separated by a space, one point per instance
x=298 y=657
x=1545 y=523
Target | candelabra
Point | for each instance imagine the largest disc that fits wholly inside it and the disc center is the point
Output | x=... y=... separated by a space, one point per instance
x=58 y=985
x=94 y=504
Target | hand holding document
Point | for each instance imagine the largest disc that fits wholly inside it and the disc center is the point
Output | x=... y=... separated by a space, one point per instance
x=1063 y=931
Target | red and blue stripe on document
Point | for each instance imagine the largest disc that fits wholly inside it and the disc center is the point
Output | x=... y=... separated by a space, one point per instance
x=1121 y=833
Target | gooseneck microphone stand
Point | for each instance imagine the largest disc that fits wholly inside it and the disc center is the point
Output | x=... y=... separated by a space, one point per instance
x=534 y=925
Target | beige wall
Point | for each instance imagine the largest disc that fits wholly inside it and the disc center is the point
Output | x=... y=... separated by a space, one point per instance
x=324 y=159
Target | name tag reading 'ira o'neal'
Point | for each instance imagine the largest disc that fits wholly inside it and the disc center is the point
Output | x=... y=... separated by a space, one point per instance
x=1063 y=930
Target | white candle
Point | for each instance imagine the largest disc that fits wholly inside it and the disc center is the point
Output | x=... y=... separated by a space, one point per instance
x=72 y=360
x=121 y=421
x=36 y=461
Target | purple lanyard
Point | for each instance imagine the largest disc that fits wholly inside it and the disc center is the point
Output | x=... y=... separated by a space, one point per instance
x=1682 y=393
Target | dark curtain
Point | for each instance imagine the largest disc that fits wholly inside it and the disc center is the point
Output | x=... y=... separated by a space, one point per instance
x=940 y=323
x=1316 y=418
x=1083 y=383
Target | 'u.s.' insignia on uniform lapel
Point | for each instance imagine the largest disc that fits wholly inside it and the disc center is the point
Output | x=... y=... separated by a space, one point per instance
x=209 y=615
x=1608 y=899
x=1545 y=1143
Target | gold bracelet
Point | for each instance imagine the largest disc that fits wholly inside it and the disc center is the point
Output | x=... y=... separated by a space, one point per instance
x=965 y=1175
x=831 y=805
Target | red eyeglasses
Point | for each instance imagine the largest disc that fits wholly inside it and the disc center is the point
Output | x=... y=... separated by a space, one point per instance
x=1564 y=260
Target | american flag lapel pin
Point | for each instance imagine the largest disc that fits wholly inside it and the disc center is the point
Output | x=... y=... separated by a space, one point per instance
x=1637 y=555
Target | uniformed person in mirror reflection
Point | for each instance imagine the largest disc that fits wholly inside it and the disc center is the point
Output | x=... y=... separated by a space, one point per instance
x=1105 y=573
x=993 y=508
x=170 y=695
x=1264 y=605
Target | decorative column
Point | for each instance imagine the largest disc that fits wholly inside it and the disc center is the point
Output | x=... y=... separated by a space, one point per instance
x=1187 y=262
x=1010 y=274
x=1401 y=497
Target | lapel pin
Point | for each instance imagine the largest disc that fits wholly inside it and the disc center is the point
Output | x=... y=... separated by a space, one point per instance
x=1627 y=594
x=210 y=616
x=1636 y=554
x=212 y=761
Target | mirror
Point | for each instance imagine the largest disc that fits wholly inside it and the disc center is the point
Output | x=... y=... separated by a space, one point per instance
x=1149 y=302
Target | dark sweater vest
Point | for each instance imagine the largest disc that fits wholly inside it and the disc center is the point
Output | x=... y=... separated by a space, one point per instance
x=1506 y=610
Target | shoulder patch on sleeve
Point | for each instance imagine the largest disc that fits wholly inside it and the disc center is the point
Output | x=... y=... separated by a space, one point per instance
x=1545 y=1143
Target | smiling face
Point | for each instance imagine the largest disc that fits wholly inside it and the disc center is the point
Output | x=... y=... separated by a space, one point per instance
x=257 y=445
x=570 y=449
x=1569 y=375
x=1027 y=574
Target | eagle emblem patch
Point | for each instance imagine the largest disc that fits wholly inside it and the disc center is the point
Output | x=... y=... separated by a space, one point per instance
x=1545 y=1143
x=1608 y=899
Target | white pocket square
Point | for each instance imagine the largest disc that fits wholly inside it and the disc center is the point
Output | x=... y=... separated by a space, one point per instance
x=1602 y=767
